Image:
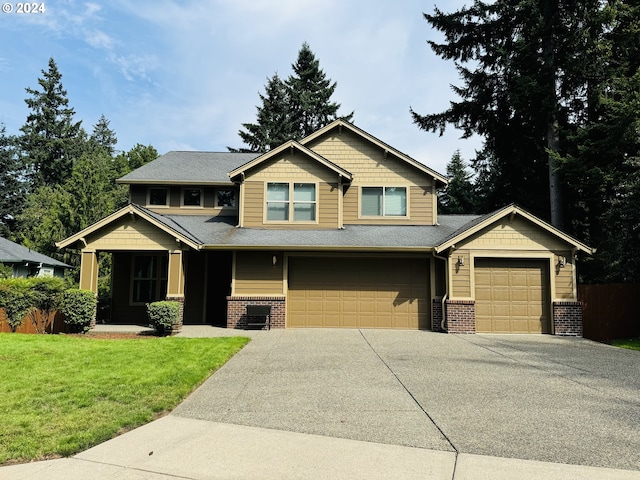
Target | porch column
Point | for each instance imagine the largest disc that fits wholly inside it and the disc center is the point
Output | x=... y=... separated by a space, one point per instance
x=175 y=283
x=89 y=271
x=175 y=277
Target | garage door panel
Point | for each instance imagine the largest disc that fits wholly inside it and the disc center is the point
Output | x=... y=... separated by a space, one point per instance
x=512 y=296
x=386 y=293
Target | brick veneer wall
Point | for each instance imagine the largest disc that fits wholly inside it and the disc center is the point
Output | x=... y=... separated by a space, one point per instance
x=567 y=318
x=436 y=308
x=178 y=326
x=461 y=316
x=237 y=310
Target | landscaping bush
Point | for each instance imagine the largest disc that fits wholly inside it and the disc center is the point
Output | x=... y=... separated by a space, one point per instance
x=79 y=309
x=46 y=294
x=163 y=316
x=16 y=298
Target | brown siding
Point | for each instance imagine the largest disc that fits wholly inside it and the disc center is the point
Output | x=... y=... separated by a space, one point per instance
x=139 y=196
x=253 y=203
x=461 y=275
x=564 y=280
x=255 y=274
x=131 y=234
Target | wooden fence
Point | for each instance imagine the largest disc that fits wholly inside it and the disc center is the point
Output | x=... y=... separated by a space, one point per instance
x=610 y=311
x=57 y=326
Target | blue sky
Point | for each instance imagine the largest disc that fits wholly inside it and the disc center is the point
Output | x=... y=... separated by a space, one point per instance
x=184 y=75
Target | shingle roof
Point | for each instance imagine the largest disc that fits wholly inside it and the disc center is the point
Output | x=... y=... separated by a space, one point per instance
x=11 y=252
x=218 y=231
x=189 y=167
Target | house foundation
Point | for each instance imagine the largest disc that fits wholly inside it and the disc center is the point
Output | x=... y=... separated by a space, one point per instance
x=237 y=310
x=567 y=318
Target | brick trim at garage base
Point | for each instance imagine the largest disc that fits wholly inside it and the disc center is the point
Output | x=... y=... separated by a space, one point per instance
x=567 y=318
x=461 y=316
x=237 y=310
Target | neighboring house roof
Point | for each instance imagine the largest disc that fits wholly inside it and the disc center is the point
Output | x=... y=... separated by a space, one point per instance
x=480 y=222
x=11 y=252
x=204 y=168
x=340 y=124
x=293 y=145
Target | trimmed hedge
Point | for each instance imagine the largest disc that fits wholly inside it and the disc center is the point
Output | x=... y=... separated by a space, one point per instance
x=163 y=316
x=17 y=300
x=79 y=309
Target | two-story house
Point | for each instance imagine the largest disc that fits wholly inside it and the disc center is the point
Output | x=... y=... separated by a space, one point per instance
x=338 y=230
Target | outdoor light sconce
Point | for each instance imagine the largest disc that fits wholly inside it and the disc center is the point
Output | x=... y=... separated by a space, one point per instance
x=460 y=261
x=562 y=261
x=275 y=260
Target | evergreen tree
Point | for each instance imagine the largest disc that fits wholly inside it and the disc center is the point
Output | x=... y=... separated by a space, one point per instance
x=273 y=126
x=103 y=137
x=292 y=109
x=459 y=196
x=11 y=185
x=527 y=68
x=310 y=93
x=51 y=139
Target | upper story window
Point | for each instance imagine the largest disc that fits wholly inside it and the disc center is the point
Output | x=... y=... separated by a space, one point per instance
x=383 y=202
x=158 y=197
x=291 y=202
x=226 y=197
x=192 y=197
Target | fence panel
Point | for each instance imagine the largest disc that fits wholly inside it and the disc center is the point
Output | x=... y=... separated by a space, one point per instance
x=57 y=326
x=610 y=311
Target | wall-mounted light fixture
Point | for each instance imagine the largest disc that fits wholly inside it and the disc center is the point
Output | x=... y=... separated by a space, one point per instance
x=562 y=261
x=460 y=261
x=275 y=260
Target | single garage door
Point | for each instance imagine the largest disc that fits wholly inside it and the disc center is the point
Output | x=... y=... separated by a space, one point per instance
x=358 y=292
x=512 y=296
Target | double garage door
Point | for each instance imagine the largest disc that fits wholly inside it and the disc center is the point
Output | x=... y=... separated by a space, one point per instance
x=361 y=292
x=512 y=296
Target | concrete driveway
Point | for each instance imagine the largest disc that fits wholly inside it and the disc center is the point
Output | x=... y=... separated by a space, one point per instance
x=541 y=398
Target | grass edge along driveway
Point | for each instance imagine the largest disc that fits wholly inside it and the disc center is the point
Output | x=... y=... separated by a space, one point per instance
x=64 y=394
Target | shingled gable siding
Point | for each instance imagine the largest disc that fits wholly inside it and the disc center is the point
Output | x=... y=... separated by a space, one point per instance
x=370 y=166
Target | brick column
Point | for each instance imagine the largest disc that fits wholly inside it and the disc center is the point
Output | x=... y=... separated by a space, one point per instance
x=178 y=326
x=567 y=318
x=436 y=308
x=237 y=310
x=461 y=316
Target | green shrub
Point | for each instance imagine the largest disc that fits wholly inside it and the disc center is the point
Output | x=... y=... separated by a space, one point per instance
x=17 y=300
x=79 y=309
x=46 y=293
x=6 y=271
x=163 y=316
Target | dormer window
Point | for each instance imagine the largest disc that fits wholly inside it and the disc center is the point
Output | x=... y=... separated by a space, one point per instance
x=280 y=208
x=158 y=197
x=192 y=197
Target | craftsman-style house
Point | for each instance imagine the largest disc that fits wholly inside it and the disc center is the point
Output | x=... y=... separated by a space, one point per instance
x=338 y=230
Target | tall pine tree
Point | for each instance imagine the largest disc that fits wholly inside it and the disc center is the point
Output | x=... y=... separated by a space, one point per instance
x=11 y=184
x=459 y=195
x=51 y=140
x=292 y=109
x=524 y=67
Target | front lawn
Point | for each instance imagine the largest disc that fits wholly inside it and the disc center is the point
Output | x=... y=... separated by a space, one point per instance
x=63 y=394
x=630 y=343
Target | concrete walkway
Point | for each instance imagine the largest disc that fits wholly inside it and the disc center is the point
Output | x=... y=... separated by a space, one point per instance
x=382 y=404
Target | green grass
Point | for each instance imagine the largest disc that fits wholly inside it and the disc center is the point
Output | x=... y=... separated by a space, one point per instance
x=62 y=394
x=630 y=343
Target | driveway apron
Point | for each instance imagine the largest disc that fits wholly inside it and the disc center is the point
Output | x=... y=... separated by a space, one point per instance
x=540 y=397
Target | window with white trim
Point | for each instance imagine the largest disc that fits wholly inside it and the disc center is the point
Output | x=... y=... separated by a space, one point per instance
x=383 y=202
x=291 y=202
x=148 y=278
